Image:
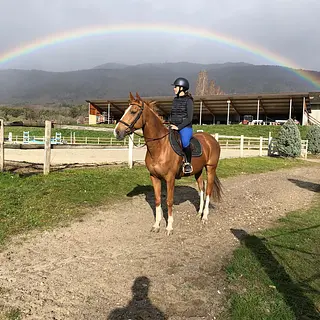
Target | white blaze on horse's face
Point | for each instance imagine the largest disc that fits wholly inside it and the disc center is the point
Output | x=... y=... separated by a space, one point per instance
x=116 y=129
x=129 y=116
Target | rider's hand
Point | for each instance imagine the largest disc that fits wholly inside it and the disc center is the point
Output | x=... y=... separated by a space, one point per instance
x=174 y=127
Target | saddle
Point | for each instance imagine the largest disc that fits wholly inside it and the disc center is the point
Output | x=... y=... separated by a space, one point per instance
x=175 y=141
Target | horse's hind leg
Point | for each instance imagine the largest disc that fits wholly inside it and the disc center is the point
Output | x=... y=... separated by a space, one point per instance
x=170 y=196
x=211 y=172
x=200 y=182
x=157 y=195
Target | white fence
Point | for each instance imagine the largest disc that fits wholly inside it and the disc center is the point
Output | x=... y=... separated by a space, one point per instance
x=73 y=139
x=242 y=143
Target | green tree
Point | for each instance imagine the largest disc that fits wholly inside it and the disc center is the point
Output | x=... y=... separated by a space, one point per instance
x=313 y=136
x=289 y=141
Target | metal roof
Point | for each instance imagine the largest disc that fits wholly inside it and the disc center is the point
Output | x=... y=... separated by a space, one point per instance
x=215 y=105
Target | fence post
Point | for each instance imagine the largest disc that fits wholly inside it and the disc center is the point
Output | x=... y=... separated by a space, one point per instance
x=306 y=150
x=1 y=145
x=47 y=148
x=269 y=139
x=260 y=147
x=130 y=154
x=216 y=135
x=241 y=145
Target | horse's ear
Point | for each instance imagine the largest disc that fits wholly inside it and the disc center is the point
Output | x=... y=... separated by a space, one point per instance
x=137 y=95
x=131 y=96
x=153 y=104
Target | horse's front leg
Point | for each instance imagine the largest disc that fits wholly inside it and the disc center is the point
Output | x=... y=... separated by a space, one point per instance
x=170 y=196
x=157 y=195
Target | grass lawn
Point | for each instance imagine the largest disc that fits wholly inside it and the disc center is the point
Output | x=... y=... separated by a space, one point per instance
x=40 y=201
x=275 y=273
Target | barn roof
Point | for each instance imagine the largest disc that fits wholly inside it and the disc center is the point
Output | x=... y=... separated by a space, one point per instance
x=277 y=103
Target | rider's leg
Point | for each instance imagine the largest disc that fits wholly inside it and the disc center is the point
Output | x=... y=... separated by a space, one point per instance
x=186 y=135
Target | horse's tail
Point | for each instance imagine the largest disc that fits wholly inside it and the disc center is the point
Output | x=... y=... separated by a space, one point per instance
x=217 y=189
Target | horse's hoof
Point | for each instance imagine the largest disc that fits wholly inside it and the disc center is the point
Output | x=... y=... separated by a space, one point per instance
x=155 y=229
x=204 y=221
x=199 y=215
x=169 y=232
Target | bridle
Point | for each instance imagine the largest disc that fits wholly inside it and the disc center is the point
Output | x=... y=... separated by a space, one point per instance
x=136 y=119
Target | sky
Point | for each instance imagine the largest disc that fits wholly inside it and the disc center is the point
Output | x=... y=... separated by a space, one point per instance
x=287 y=28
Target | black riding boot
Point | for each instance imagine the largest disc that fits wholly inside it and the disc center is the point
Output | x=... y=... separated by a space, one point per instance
x=187 y=166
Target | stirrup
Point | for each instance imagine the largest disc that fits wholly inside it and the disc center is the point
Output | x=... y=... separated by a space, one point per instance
x=184 y=167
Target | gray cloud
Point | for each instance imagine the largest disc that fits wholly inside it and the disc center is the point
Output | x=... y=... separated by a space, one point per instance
x=287 y=28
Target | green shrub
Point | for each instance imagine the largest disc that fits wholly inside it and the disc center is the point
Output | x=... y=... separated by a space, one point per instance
x=313 y=136
x=289 y=141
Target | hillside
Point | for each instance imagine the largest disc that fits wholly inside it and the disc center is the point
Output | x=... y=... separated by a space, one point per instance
x=116 y=80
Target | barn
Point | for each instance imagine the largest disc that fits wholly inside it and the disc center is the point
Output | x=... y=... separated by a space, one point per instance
x=224 y=109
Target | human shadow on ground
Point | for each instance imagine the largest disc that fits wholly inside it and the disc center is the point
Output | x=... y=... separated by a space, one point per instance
x=292 y=292
x=140 y=306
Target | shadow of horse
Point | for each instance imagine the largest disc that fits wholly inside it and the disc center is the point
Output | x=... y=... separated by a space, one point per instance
x=182 y=194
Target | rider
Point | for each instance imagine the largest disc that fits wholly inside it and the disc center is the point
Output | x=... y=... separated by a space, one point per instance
x=181 y=117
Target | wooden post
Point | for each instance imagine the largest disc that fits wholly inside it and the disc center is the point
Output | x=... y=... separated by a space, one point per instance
x=290 y=108
x=108 y=113
x=270 y=138
x=1 y=145
x=241 y=145
x=47 y=148
x=260 y=147
x=130 y=154
x=228 y=113
x=306 y=153
x=200 y=113
x=216 y=135
x=304 y=110
x=258 y=110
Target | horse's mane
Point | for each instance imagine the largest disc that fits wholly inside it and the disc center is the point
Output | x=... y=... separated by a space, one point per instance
x=152 y=105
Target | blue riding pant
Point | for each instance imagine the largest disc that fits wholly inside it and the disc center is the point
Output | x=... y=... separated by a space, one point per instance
x=186 y=135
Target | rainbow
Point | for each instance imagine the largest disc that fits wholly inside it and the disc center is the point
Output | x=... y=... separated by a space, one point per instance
x=154 y=28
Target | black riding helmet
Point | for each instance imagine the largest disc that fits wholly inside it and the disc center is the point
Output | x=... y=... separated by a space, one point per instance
x=182 y=82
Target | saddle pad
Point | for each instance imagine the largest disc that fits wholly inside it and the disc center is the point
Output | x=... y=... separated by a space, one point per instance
x=176 y=145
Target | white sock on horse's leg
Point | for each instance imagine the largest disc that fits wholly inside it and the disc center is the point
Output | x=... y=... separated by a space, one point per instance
x=206 y=208
x=170 y=222
x=201 y=201
x=159 y=214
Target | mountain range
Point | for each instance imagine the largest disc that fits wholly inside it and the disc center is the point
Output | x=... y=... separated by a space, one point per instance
x=114 y=80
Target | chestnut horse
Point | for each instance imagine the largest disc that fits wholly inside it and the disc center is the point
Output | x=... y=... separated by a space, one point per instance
x=164 y=163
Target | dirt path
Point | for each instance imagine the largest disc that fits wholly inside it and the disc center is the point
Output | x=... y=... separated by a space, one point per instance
x=86 y=270
x=107 y=155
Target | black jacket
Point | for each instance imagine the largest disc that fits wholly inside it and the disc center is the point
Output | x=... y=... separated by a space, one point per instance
x=182 y=112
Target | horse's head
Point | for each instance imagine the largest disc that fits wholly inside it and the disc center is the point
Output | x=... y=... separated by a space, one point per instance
x=132 y=118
